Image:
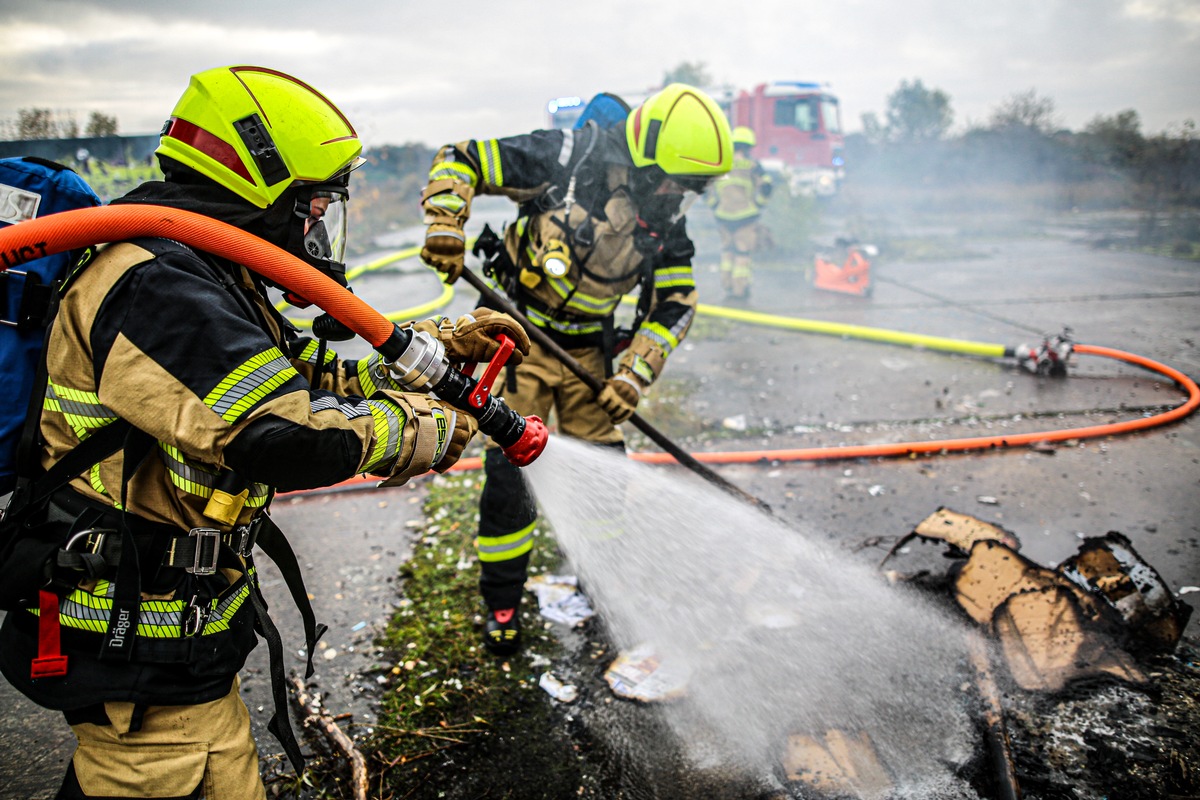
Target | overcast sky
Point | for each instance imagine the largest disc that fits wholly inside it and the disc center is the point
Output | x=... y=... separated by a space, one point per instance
x=436 y=72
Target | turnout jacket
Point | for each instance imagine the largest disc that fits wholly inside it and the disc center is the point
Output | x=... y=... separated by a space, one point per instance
x=574 y=197
x=740 y=195
x=187 y=349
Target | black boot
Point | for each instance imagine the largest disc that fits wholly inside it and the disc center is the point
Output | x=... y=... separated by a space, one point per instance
x=502 y=631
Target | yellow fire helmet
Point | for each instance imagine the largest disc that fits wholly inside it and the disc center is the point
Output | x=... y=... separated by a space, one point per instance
x=682 y=131
x=257 y=131
x=744 y=136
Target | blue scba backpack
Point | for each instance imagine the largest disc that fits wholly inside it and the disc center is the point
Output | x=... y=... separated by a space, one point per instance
x=606 y=109
x=30 y=188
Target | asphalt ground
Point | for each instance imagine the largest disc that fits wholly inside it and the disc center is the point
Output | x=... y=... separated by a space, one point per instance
x=791 y=390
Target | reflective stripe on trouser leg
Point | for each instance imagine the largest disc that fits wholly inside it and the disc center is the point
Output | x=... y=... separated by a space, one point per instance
x=179 y=752
x=507 y=515
x=742 y=275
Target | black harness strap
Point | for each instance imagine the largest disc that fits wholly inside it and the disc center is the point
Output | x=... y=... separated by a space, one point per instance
x=275 y=545
x=31 y=495
x=280 y=724
x=127 y=593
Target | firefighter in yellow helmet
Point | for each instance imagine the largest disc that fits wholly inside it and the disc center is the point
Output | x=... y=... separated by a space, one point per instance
x=737 y=200
x=600 y=214
x=177 y=402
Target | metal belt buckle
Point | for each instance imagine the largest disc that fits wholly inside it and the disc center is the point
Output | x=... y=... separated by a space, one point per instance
x=201 y=565
x=93 y=539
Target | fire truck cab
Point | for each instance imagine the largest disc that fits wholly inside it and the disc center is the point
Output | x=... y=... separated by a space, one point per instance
x=798 y=126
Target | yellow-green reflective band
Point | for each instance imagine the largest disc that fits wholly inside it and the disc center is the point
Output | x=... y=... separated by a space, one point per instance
x=389 y=421
x=83 y=411
x=373 y=376
x=309 y=354
x=569 y=328
x=98 y=485
x=455 y=171
x=585 y=303
x=249 y=383
x=641 y=368
x=674 y=277
x=199 y=480
x=489 y=162
x=224 y=611
x=157 y=619
x=447 y=201
x=665 y=339
x=738 y=215
x=507 y=547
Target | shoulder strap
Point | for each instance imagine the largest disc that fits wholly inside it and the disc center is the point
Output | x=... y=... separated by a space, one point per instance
x=32 y=494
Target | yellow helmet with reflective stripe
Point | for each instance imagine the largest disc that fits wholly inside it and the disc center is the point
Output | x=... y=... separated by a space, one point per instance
x=257 y=131
x=744 y=136
x=681 y=131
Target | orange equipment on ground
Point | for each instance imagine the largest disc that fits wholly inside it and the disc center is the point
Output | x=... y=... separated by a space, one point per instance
x=852 y=277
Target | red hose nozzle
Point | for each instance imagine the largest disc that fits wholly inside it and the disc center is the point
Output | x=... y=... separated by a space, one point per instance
x=525 y=450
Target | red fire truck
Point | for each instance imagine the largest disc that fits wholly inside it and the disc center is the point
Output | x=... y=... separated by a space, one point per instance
x=797 y=124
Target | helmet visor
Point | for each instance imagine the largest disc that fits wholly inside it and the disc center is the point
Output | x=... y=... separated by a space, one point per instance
x=325 y=222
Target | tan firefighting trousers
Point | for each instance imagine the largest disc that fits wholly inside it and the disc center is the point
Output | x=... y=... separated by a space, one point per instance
x=738 y=241
x=544 y=383
x=177 y=749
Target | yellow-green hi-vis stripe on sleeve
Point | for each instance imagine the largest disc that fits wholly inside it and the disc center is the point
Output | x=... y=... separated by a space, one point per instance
x=249 y=383
x=389 y=420
x=455 y=171
x=83 y=411
x=489 y=162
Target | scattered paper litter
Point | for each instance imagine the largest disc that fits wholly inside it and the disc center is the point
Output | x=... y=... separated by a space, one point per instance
x=562 y=692
x=559 y=598
x=639 y=674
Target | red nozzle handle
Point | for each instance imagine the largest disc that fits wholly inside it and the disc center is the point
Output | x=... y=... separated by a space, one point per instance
x=483 y=388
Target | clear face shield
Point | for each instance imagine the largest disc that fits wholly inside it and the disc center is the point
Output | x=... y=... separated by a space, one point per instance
x=325 y=223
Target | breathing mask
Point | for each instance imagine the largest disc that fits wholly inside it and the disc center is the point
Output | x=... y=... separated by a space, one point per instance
x=318 y=230
x=662 y=199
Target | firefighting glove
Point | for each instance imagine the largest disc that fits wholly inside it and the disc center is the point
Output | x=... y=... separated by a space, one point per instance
x=447 y=206
x=434 y=436
x=472 y=337
x=620 y=395
x=445 y=246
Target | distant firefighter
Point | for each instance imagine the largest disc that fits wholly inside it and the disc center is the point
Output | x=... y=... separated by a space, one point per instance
x=737 y=200
x=601 y=213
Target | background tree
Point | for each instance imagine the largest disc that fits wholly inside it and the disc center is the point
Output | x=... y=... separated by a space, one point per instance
x=874 y=131
x=101 y=125
x=42 y=123
x=1025 y=110
x=36 y=123
x=917 y=114
x=691 y=73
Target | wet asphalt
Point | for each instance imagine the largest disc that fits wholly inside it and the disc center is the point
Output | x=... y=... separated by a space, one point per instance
x=791 y=390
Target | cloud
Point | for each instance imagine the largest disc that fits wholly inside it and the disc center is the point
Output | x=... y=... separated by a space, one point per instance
x=407 y=71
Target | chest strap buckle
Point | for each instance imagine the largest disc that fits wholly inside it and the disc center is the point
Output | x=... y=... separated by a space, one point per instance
x=208 y=548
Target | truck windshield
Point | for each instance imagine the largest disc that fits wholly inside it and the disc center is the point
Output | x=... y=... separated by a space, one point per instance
x=829 y=111
x=796 y=113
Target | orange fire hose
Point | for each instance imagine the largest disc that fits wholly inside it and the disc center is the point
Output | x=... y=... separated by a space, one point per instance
x=972 y=443
x=74 y=229
x=931 y=447
x=70 y=230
